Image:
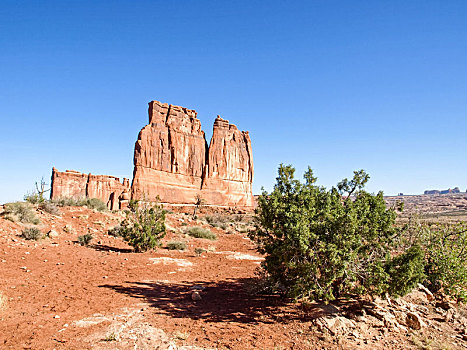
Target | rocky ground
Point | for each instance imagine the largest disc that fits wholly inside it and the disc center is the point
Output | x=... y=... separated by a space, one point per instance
x=439 y=208
x=57 y=294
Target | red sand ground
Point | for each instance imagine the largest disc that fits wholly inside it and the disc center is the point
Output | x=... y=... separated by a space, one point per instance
x=60 y=295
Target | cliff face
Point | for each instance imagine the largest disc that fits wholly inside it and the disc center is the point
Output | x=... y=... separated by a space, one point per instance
x=229 y=169
x=169 y=155
x=172 y=160
x=73 y=184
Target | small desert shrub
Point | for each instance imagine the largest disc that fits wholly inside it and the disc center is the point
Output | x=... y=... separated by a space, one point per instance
x=33 y=198
x=32 y=233
x=92 y=203
x=85 y=239
x=144 y=226
x=199 y=251
x=446 y=258
x=68 y=202
x=199 y=232
x=95 y=203
x=222 y=221
x=242 y=228
x=110 y=337
x=116 y=231
x=49 y=207
x=238 y=218
x=176 y=245
x=22 y=212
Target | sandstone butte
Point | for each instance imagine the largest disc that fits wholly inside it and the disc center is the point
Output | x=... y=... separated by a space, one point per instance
x=173 y=162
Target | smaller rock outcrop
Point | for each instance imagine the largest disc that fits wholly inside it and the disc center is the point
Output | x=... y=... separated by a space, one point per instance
x=73 y=184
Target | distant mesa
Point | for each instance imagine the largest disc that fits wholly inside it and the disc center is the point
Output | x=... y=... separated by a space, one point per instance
x=448 y=191
x=173 y=161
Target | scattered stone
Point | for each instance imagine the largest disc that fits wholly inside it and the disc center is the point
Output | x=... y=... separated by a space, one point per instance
x=166 y=260
x=335 y=325
x=443 y=304
x=450 y=314
x=68 y=229
x=414 y=321
x=52 y=234
x=195 y=296
x=3 y=301
x=241 y=256
x=427 y=292
x=197 y=287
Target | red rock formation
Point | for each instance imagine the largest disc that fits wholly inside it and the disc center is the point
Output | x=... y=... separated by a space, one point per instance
x=73 y=184
x=69 y=184
x=172 y=160
x=169 y=155
x=229 y=169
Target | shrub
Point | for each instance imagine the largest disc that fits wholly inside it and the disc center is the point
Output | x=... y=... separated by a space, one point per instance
x=176 y=245
x=67 y=202
x=446 y=256
x=85 y=239
x=33 y=198
x=21 y=211
x=95 y=203
x=49 y=207
x=92 y=203
x=199 y=251
x=110 y=337
x=144 y=226
x=199 y=232
x=322 y=244
x=38 y=196
x=116 y=231
x=32 y=233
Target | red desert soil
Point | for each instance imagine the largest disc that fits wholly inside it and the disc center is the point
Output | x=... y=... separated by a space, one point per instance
x=56 y=294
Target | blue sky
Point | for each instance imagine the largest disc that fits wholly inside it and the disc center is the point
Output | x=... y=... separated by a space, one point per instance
x=337 y=85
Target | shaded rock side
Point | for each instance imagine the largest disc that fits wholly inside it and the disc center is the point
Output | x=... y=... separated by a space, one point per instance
x=170 y=155
x=73 y=184
x=229 y=170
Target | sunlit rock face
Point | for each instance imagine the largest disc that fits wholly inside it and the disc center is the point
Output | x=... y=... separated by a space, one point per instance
x=169 y=155
x=229 y=168
x=76 y=185
x=173 y=162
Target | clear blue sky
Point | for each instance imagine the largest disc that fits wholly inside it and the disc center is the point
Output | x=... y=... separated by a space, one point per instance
x=337 y=85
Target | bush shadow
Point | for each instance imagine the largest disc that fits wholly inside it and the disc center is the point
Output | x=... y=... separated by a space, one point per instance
x=228 y=300
x=107 y=248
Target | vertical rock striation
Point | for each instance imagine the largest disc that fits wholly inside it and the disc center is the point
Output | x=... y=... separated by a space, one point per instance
x=169 y=155
x=229 y=169
x=73 y=184
x=172 y=160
